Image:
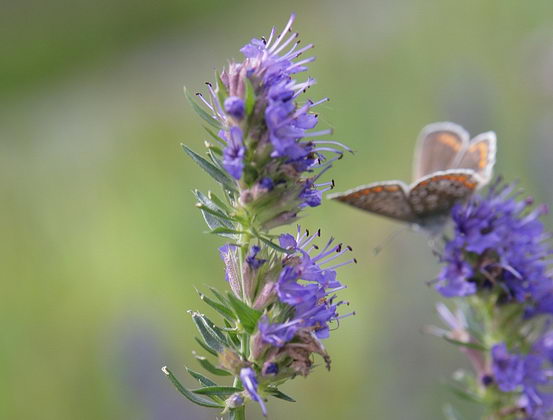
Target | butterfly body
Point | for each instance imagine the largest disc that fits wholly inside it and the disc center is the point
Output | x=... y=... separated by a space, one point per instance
x=448 y=168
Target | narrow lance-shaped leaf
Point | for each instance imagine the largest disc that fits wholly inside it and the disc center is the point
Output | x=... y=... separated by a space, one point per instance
x=249 y=97
x=201 y=378
x=207 y=365
x=217 y=201
x=205 y=346
x=248 y=316
x=213 y=221
x=216 y=390
x=192 y=397
x=223 y=310
x=470 y=345
x=214 y=339
x=201 y=112
x=271 y=244
x=279 y=394
x=222 y=92
x=216 y=173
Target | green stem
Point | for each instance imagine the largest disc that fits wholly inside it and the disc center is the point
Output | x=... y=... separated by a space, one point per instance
x=238 y=413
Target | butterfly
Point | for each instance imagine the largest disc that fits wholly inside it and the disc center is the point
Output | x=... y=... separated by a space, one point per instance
x=448 y=168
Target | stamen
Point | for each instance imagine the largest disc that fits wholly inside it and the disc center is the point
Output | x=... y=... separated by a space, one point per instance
x=320 y=102
x=299 y=52
x=215 y=100
x=319 y=133
x=337 y=143
x=285 y=43
x=283 y=33
x=270 y=37
x=334 y=267
x=199 y=95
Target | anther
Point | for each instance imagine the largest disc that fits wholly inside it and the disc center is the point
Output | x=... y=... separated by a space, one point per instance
x=355 y=260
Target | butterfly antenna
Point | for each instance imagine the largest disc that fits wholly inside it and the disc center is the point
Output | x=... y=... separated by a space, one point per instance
x=378 y=249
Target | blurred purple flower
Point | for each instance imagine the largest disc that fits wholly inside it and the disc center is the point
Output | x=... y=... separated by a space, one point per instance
x=529 y=374
x=249 y=381
x=498 y=241
x=233 y=154
x=234 y=106
x=252 y=259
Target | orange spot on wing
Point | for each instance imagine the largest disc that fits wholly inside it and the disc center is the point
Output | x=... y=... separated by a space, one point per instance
x=449 y=139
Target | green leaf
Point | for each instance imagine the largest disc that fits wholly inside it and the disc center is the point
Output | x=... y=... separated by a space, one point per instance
x=248 y=316
x=216 y=390
x=205 y=346
x=237 y=413
x=213 y=221
x=218 y=202
x=201 y=378
x=223 y=310
x=249 y=97
x=214 y=136
x=216 y=173
x=465 y=395
x=470 y=345
x=192 y=397
x=222 y=92
x=219 y=296
x=207 y=365
x=217 y=213
x=226 y=231
x=279 y=394
x=274 y=246
x=202 y=112
x=214 y=339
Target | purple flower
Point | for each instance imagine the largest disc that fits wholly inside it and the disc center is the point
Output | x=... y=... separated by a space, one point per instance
x=252 y=259
x=233 y=154
x=528 y=374
x=499 y=243
x=508 y=369
x=234 y=106
x=308 y=285
x=277 y=334
x=267 y=183
x=278 y=142
x=249 y=381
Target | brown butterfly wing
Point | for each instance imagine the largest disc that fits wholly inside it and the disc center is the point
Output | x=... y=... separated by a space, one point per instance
x=437 y=193
x=480 y=156
x=387 y=199
x=438 y=148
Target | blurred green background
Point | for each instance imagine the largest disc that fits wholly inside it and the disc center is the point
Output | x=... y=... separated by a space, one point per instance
x=101 y=244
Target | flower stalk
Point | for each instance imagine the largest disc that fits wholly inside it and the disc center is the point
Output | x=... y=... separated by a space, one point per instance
x=268 y=157
x=496 y=265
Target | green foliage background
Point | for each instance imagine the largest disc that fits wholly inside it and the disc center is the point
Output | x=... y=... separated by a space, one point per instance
x=101 y=244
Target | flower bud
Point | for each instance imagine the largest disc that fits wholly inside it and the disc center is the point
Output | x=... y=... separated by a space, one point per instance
x=234 y=106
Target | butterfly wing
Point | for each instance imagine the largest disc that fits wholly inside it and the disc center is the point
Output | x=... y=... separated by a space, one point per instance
x=480 y=156
x=437 y=193
x=387 y=199
x=438 y=148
